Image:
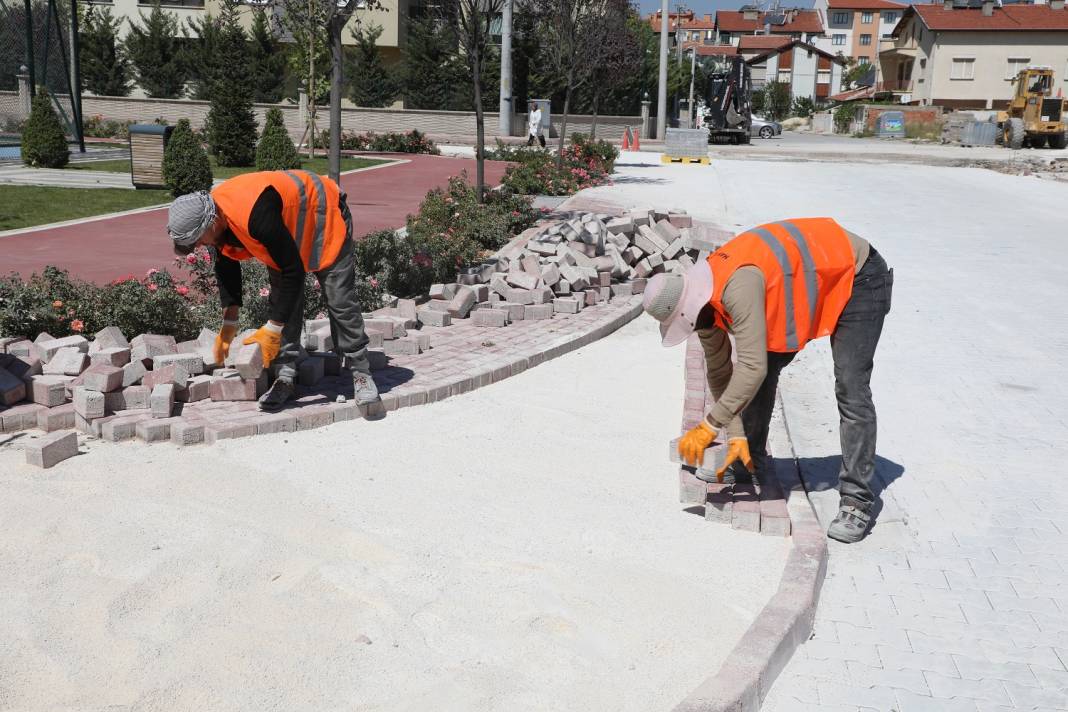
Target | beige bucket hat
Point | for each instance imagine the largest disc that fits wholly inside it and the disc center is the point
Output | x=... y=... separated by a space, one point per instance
x=675 y=300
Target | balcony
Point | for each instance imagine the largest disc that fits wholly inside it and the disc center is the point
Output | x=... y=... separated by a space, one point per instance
x=897 y=86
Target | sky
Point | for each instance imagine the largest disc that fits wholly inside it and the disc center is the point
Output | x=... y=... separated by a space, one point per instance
x=709 y=7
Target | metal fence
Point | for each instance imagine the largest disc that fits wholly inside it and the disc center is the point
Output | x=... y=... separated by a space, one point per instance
x=38 y=50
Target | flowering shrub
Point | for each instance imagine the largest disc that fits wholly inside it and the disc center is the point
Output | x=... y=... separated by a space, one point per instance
x=585 y=164
x=413 y=141
x=97 y=126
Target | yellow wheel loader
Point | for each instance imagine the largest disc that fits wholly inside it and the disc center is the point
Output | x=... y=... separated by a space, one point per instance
x=1034 y=115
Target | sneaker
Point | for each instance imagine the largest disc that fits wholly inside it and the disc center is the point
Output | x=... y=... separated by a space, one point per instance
x=364 y=388
x=850 y=525
x=279 y=394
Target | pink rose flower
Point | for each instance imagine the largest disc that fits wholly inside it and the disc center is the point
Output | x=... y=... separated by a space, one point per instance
x=191 y=259
x=152 y=272
x=152 y=287
x=182 y=290
x=265 y=292
x=77 y=325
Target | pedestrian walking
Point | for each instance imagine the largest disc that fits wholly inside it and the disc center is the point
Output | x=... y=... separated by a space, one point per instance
x=294 y=222
x=534 y=132
x=774 y=288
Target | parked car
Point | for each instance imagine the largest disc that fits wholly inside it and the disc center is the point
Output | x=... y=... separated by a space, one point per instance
x=763 y=128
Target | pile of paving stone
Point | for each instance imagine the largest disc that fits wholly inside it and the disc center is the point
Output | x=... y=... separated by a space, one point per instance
x=117 y=389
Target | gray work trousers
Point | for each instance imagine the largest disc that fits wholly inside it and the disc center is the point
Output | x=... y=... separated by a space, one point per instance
x=853 y=350
x=338 y=284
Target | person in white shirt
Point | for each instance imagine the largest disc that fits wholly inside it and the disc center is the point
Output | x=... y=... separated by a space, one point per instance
x=534 y=126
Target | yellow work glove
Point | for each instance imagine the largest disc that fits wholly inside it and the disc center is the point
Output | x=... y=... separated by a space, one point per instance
x=226 y=335
x=737 y=449
x=269 y=337
x=692 y=445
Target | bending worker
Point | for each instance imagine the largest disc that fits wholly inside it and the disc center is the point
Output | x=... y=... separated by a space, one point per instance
x=775 y=288
x=294 y=222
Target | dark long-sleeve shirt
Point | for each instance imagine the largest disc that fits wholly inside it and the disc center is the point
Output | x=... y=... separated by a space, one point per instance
x=266 y=226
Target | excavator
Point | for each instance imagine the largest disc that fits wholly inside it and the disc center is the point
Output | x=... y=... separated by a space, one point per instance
x=1034 y=116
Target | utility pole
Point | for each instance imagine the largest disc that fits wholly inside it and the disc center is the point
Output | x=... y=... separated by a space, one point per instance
x=504 y=124
x=337 y=84
x=689 y=105
x=661 y=97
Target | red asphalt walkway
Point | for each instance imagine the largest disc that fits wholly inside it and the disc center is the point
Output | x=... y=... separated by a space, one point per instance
x=103 y=250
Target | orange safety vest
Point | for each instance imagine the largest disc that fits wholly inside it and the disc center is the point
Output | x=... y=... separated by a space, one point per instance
x=309 y=210
x=808 y=266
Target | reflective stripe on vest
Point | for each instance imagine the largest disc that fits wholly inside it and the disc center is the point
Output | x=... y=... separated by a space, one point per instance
x=787 y=279
x=320 y=216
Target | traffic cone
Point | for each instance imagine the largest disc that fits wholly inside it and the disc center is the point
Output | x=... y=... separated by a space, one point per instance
x=637 y=144
x=626 y=139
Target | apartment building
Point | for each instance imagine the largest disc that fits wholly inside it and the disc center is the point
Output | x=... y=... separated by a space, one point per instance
x=855 y=28
x=794 y=23
x=810 y=71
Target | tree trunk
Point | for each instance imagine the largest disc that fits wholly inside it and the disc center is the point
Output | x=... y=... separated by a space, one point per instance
x=336 y=87
x=563 y=122
x=480 y=128
x=593 y=125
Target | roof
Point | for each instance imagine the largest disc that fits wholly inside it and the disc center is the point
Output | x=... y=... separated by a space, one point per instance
x=1015 y=18
x=762 y=42
x=803 y=21
x=708 y=23
x=704 y=50
x=675 y=19
x=854 y=94
x=865 y=5
x=760 y=58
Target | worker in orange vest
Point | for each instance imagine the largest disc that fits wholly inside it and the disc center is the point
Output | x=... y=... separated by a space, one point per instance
x=295 y=222
x=774 y=288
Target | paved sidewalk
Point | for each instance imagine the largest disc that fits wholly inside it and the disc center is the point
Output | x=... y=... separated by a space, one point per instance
x=61 y=178
x=957 y=599
x=103 y=250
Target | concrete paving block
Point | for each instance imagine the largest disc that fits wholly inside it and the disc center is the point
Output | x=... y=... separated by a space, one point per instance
x=6 y=341
x=606 y=294
x=499 y=285
x=51 y=449
x=685 y=260
x=668 y=233
x=102 y=378
x=227 y=431
x=700 y=239
x=673 y=249
x=519 y=296
x=408 y=346
x=745 y=510
x=643 y=269
x=110 y=337
x=58 y=418
x=375 y=339
x=656 y=262
x=648 y=241
x=112 y=356
x=637 y=286
x=621 y=226
x=673 y=267
x=407 y=308
x=49 y=391
x=186 y=432
x=161 y=401
x=132 y=373
x=45 y=350
x=248 y=361
x=624 y=289
x=691 y=489
x=88 y=404
x=515 y=312
x=431 y=317
x=460 y=305
x=541 y=295
x=680 y=220
x=531 y=265
x=270 y=423
x=566 y=305
x=481 y=292
x=145 y=347
x=67 y=361
x=197 y=389
x=318 y=340
x=72 y=383
x=154 y=430
x=22 y=347
x=311 y=370
x=604 y=279
x=43 y=337
x=562 y=288
x=523 y=280
x=206 y=337
x=121 y=428
x=12 y=388
x=632 y=255
x=315 y=416
x=542 y=248
x=174 y=374
x=592 y=297
x=550 y=275
x=136 y=397
x=490 y=317
x=538 y=312
x=718 y=503
x=192 y=362
x=382 y=326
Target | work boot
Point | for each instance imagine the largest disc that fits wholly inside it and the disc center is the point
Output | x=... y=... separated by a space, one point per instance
x=364 y=389
x=277 y=396
x=850 y=525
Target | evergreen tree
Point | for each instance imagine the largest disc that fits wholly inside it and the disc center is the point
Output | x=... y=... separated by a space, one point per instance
x=203 y=54
x=267 y=60
x=231 y=121
x=155 y=49
x=373 y=84
x=186 y=168
x=105 y=67
x=43 y=142
x=276 y=151
x=434 y=75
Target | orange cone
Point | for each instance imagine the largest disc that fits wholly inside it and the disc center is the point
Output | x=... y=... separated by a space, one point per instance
x=637 y=144
x=626 y=139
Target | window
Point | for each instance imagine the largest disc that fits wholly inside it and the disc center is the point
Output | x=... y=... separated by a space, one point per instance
x=865 y=40
x=708 y=34
x=889 y=17
x=1015 y=65
x=865 y=18
x=840 y=18
x=962 y=68
x=838 y=40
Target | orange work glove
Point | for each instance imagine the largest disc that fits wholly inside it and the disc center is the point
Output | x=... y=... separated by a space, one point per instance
x=269 y=337
x=692 y=445
x=737 y=449
x=221 y=349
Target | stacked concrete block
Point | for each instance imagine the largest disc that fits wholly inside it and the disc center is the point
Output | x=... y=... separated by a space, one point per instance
x=432 y=317
x=462 y=302
x=102 y=378
x=66 y=361
x=109 y=338
x=192 y=362
x=173 y=374
x=52 y=449
x=490 y=317
x=49 y=391
x=161 y=401
x=47 y=349
x=12 y=388
x=88 y=404
x=112 y=356
x=146 y=347
x=248 y=361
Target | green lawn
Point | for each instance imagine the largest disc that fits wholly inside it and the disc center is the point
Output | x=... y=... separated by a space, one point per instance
x=317 y=165
x=28 y=205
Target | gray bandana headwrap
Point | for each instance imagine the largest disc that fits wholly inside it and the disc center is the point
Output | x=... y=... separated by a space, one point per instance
x=190 y=216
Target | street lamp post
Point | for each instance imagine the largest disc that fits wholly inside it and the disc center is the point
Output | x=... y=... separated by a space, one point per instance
x=661 y=98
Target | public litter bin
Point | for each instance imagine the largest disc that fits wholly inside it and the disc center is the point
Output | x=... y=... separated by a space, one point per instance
x=890 y=124
x=147 y=142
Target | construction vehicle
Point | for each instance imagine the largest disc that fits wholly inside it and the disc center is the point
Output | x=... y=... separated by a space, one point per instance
x=1034 y=116
x=728 y=104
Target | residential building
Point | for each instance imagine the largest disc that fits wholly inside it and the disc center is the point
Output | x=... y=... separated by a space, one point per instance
x=855 y=28
x=959 y=55
x=811 y=72
x=795 y=23
x=685 y=28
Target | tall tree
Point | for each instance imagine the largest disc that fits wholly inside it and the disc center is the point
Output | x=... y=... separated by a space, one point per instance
x=105 y=67
x=613 y=55
x=155 y=49
x=432 y=73
x=203 y=54
x=373 y=83
x=267 y=60
x=231 y=121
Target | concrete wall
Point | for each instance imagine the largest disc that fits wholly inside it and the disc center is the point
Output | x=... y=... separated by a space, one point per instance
x=444 y=124
x=913 y=114
x=803 y=76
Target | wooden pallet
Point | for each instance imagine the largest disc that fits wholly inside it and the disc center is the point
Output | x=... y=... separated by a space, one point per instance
x=686 y=159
